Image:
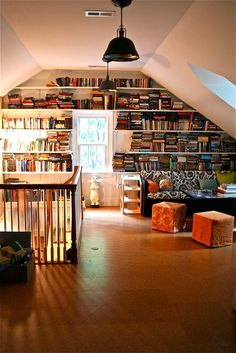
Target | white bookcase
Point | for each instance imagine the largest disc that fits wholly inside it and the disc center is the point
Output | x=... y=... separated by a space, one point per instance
x=130 y=197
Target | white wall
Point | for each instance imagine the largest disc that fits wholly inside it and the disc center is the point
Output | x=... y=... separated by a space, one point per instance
x=205 y=37
x=109 y=191
x=17 y=64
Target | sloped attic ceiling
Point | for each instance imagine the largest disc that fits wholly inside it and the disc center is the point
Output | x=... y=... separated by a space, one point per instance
x=169 y=35
x=17 y=64
x=205 y=37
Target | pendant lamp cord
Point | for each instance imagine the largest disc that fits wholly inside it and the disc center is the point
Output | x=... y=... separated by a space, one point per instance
x=121 y=31
x=107 y=71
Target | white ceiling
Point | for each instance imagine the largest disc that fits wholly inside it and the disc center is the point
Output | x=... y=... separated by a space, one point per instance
x=58 y=35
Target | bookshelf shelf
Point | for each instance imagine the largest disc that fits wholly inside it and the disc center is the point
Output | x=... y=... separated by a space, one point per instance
x=180 y=153
x=55 y=88
x=33 y=173
x=34 y=109
x=36 y=144
x=157 y=110
x=87 y=88
x=177 y=131
x=170 y=140
x=39 y=130
x=148 y=110
x=36 y=152
x=141 y=89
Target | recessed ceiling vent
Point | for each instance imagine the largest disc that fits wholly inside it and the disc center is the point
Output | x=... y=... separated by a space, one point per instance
x=96 y=66
x=99 y=13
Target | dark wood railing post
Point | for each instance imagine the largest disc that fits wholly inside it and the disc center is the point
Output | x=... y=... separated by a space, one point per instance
x=73 y=257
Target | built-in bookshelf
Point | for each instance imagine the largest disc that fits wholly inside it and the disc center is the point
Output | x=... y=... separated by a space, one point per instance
x=170 y=140
x=31 y=162
x=17 y=119
x=159 y=130
x=71 y=93
x=95 y=82
x=36 y=141
x=133 y=162
x=152 y=99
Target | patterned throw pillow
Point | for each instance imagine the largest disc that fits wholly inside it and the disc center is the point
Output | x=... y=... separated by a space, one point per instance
x=152 y=186
x=166 y=184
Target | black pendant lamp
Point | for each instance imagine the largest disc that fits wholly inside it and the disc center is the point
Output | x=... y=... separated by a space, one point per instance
x=107 y=84
x=121 y=48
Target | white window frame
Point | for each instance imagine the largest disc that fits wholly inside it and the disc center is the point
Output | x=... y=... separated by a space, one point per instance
x=85 y=114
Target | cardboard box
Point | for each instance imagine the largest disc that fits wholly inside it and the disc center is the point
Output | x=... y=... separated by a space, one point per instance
x=19 y=272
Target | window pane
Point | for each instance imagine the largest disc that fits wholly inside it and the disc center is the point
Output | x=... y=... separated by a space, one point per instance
x=100 y=157
x=92 y=141
x=84 y=156
x=92 y=127
x=92 y=130
x=92 y=157
x=101 y=130
x=83 y=130
x=96 y=157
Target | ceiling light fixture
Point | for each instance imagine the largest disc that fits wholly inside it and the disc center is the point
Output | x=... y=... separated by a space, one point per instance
x=121 y=48
x=107 y=84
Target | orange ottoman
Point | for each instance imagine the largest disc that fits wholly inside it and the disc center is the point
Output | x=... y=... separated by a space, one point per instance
x=213 y=228
x=168 y=216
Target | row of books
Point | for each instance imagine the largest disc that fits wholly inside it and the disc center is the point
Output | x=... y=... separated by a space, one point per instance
x=203 y=162
x=95 y=82
x=147 y=141
x=32 y=123
x=37 y=163
x=156 y=100
x=61 y=100
x=123 y=162
x=202 y=124
x=54 y=141
x=227 y=189
x=161 y=121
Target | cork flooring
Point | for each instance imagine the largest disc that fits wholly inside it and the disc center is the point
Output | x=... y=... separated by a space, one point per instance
x=134 y=290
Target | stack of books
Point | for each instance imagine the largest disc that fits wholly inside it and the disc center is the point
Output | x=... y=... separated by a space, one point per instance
x=52 y=101
x=134 y=102
x=171 y=142
x=164 y=101
x=203 y=143
x=65 y=100
x=158 y=142
x=14 y=101
x=28 y=103
x=144 y=101
x=82 y=103
x=214 y=145
x=97 y=100
x=227 y=190
x=177 y=105
x=122 y=121
x=135 y=121
x=40 y=103
x=154 y=100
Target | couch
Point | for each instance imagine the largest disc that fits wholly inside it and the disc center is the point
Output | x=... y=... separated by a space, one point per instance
x=170 y=185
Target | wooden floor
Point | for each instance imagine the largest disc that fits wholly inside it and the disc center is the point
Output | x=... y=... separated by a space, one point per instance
x=134 y=290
